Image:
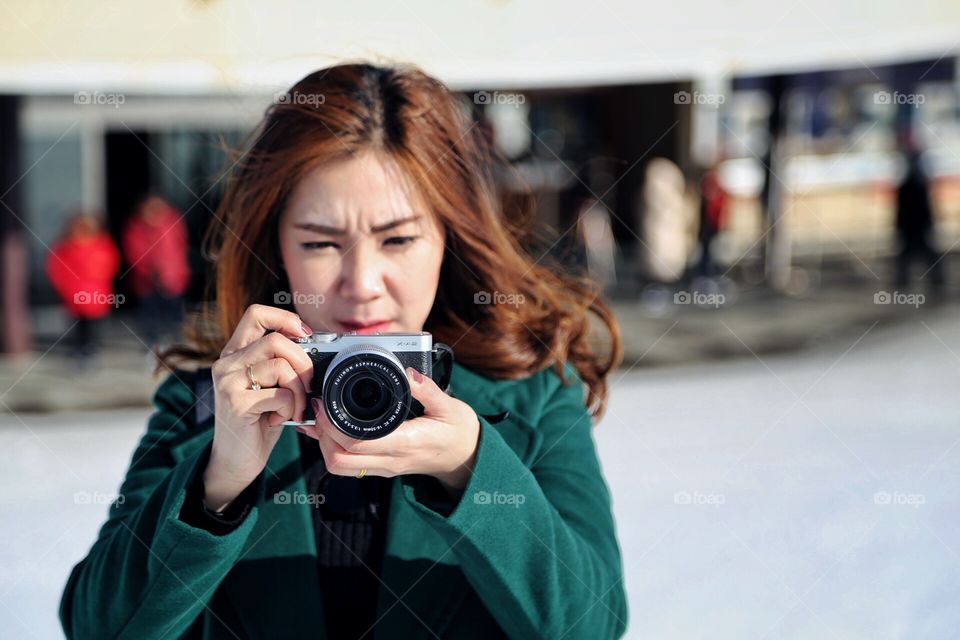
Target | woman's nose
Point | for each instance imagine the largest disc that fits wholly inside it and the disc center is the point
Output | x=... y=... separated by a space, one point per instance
x=361 y=276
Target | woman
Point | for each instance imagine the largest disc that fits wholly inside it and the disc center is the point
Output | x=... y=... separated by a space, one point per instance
x=366 y=202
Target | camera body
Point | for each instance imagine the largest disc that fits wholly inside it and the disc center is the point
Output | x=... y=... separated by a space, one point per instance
x=362 y=382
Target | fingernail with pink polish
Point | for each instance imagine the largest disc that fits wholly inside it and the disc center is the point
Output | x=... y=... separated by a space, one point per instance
x=417 y=376
x=307 y=330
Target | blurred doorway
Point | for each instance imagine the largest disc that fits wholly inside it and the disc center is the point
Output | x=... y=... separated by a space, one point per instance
x=127 y=179
x=127 y=175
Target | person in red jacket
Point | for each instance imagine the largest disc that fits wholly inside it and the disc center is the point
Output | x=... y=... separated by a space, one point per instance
x=81 y=267
x=713 y=217
x=155 y=245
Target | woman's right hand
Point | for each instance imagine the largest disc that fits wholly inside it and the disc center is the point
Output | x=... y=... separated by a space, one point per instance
x=246 y=423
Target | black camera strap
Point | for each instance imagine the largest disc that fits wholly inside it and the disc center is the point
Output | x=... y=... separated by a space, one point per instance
x=203 y=394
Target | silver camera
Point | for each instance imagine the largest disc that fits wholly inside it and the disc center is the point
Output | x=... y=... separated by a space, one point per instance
x=362 y=381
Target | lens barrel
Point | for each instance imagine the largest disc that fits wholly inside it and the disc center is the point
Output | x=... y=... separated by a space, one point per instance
x=365 y=392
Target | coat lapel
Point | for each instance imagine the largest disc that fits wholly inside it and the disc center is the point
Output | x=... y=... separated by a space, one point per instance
x=423 y=583
x=276 y=578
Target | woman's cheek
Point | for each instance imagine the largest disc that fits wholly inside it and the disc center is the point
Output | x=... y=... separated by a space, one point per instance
x=311 y=286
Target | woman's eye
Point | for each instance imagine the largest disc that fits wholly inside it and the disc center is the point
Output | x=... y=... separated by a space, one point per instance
x=395 y=241
x=400 y=240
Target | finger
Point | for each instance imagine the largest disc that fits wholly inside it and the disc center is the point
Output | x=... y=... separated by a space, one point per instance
x=272 y=346
x=307 y=430
x=341 y=462
x=277 y=372
x=435 y=402
x=313 y=430
x=323 y=425
x=274 y=405
x=257 y=320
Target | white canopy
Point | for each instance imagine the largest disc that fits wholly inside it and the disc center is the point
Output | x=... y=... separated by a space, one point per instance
x=242 y=46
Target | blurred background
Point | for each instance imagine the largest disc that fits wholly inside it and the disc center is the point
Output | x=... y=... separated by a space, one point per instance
x=769 y=194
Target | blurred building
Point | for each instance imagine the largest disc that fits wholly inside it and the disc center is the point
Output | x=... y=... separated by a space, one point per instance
x=104 y=102
x=841 y=134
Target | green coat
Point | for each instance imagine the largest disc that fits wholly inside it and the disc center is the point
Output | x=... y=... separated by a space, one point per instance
x=528 y=551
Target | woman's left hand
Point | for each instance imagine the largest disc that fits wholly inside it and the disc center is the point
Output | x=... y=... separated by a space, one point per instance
x=442 y=443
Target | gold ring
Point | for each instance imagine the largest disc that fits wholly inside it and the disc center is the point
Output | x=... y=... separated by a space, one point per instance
x=362 y=473
x=254 y=385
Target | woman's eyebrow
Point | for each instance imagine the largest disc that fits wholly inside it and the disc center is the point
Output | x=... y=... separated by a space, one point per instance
x=334 y=231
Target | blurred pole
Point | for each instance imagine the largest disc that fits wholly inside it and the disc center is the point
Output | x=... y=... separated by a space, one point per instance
x=706 y=129
x=14 y=324
x=777 y=249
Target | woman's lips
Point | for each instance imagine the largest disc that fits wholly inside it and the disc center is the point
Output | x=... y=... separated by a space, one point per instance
x=366 y=328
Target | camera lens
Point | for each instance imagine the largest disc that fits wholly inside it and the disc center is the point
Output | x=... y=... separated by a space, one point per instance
x=365 y=392
x=365 y=397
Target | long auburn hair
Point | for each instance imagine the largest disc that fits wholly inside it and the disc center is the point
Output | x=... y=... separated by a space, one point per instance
x=429 y=132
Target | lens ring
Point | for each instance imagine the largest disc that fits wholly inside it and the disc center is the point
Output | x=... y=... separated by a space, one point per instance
x=341 y=379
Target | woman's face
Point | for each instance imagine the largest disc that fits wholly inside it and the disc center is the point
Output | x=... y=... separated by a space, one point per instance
x=361 y=251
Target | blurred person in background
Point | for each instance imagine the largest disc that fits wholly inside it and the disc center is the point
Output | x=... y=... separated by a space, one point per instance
x=155 y=245
x=595 y=234
x=666 y=221
x=915 y=224
x=81 y=267
x=713 y=217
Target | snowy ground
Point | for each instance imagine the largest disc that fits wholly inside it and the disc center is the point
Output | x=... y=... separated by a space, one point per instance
x=809 y=496
x=796 y=497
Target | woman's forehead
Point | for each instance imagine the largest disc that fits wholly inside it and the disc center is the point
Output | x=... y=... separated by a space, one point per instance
x=361 y=192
